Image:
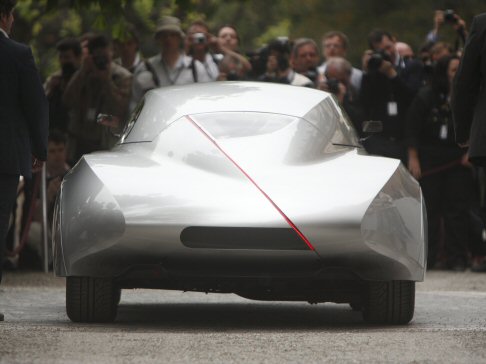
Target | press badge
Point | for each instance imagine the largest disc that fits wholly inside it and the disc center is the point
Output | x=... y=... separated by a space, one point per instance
x=392 y=108
x=443 y=132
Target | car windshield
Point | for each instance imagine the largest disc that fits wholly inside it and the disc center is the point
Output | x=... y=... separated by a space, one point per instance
x=225 y=125
x=273 y=138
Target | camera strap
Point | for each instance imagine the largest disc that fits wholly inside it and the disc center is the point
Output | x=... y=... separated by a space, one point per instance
x=193 y=69
x=172 y=81
x=151 y=69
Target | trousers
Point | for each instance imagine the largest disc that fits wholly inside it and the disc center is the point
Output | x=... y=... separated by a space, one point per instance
x=8 y=194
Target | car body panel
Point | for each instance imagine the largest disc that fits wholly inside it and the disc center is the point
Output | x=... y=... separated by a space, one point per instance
x=226 y=160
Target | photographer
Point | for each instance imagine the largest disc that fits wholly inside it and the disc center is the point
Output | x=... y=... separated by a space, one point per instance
x=440 y=166
x=99 y=86
x=388 y=85
x=171 y=66
x=337 y=79
x=69 y=60
x=278 y=65
x=233 y=65
x=198 y=44
x=335 y=44
x=305 y=58
x=442 y=17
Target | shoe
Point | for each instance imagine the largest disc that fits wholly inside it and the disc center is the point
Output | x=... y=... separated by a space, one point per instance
x=457 y=265
x=478 y=265
x=439 y=265
x=1 y=317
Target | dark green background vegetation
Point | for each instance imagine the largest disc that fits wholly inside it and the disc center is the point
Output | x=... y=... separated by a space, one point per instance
x=43 y=22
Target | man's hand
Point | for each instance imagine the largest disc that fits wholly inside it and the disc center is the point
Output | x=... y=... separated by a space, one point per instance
x=414 y=163
x=387 y=69
x=87 y=66
x=460 y=24
x=37 y=165
x=465 y=160
x=365 y=58
x=214 y=44
x=414 y=167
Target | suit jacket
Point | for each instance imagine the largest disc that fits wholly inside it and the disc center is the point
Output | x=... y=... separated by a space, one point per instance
x=377 y=91
x=24 y=115
x=469 y=92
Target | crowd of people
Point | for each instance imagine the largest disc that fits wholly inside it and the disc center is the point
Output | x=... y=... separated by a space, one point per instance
x=408 y=91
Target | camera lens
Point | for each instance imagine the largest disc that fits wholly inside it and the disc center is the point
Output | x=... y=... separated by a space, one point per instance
x=332 y=85
x=450 y=16
x=199 y=38
x=375 y=62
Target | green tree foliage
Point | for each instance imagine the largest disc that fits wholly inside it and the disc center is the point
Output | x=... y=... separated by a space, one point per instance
x=43 y=22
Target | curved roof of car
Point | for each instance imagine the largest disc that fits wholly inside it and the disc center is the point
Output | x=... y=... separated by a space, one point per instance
x=240 y=96
x=165 y=105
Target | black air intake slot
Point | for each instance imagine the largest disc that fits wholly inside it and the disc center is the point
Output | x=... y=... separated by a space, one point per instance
x=210 y=237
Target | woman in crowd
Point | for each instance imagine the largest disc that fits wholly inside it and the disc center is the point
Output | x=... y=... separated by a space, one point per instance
x=234 y=66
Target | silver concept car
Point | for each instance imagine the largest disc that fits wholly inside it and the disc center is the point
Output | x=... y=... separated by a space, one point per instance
x=262 y=190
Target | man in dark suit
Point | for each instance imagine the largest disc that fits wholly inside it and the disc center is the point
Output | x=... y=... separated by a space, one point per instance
x=388 y=86
x=469 y=94
x=23 y=118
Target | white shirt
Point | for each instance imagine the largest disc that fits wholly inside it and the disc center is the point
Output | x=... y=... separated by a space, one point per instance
x=296 y=79
x=211 y=66
x=181 y=74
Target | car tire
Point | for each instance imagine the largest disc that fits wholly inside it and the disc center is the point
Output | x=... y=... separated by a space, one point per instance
x=118 y=292
x=91 y=299
x=356 y=306
x=389 y=303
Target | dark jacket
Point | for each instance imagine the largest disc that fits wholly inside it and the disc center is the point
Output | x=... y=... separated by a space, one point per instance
x=429 y=129
x=24 y=116
x=469 y=93
x=377 y=92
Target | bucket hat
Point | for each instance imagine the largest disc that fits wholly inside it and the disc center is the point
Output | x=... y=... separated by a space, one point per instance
x=169 y=24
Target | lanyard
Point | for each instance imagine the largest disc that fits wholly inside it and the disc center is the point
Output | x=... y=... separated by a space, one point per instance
x=167 y=73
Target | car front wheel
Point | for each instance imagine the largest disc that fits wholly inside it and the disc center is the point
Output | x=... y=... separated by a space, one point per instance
x=91 y=299
x=389 y=303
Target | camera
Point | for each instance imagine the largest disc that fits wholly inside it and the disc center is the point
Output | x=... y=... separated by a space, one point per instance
x=232 y=76
x=332 y=85
x=312 y=75
x=101 y=62
x=376 y=59
x=450 y=16
x=199 y=38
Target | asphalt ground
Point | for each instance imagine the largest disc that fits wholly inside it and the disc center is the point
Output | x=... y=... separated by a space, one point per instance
x=154 y=326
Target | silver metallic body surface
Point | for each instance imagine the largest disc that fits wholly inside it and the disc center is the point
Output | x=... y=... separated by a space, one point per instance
x=236 y=156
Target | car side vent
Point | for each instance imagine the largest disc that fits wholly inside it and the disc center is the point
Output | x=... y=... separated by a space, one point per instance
x=210 y=237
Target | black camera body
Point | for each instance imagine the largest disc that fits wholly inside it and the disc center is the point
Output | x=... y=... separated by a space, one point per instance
x=312 y=75
x=332 y=85
x=450 y=16
x=232 y=76
x=376 y=59
x=101 y=62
